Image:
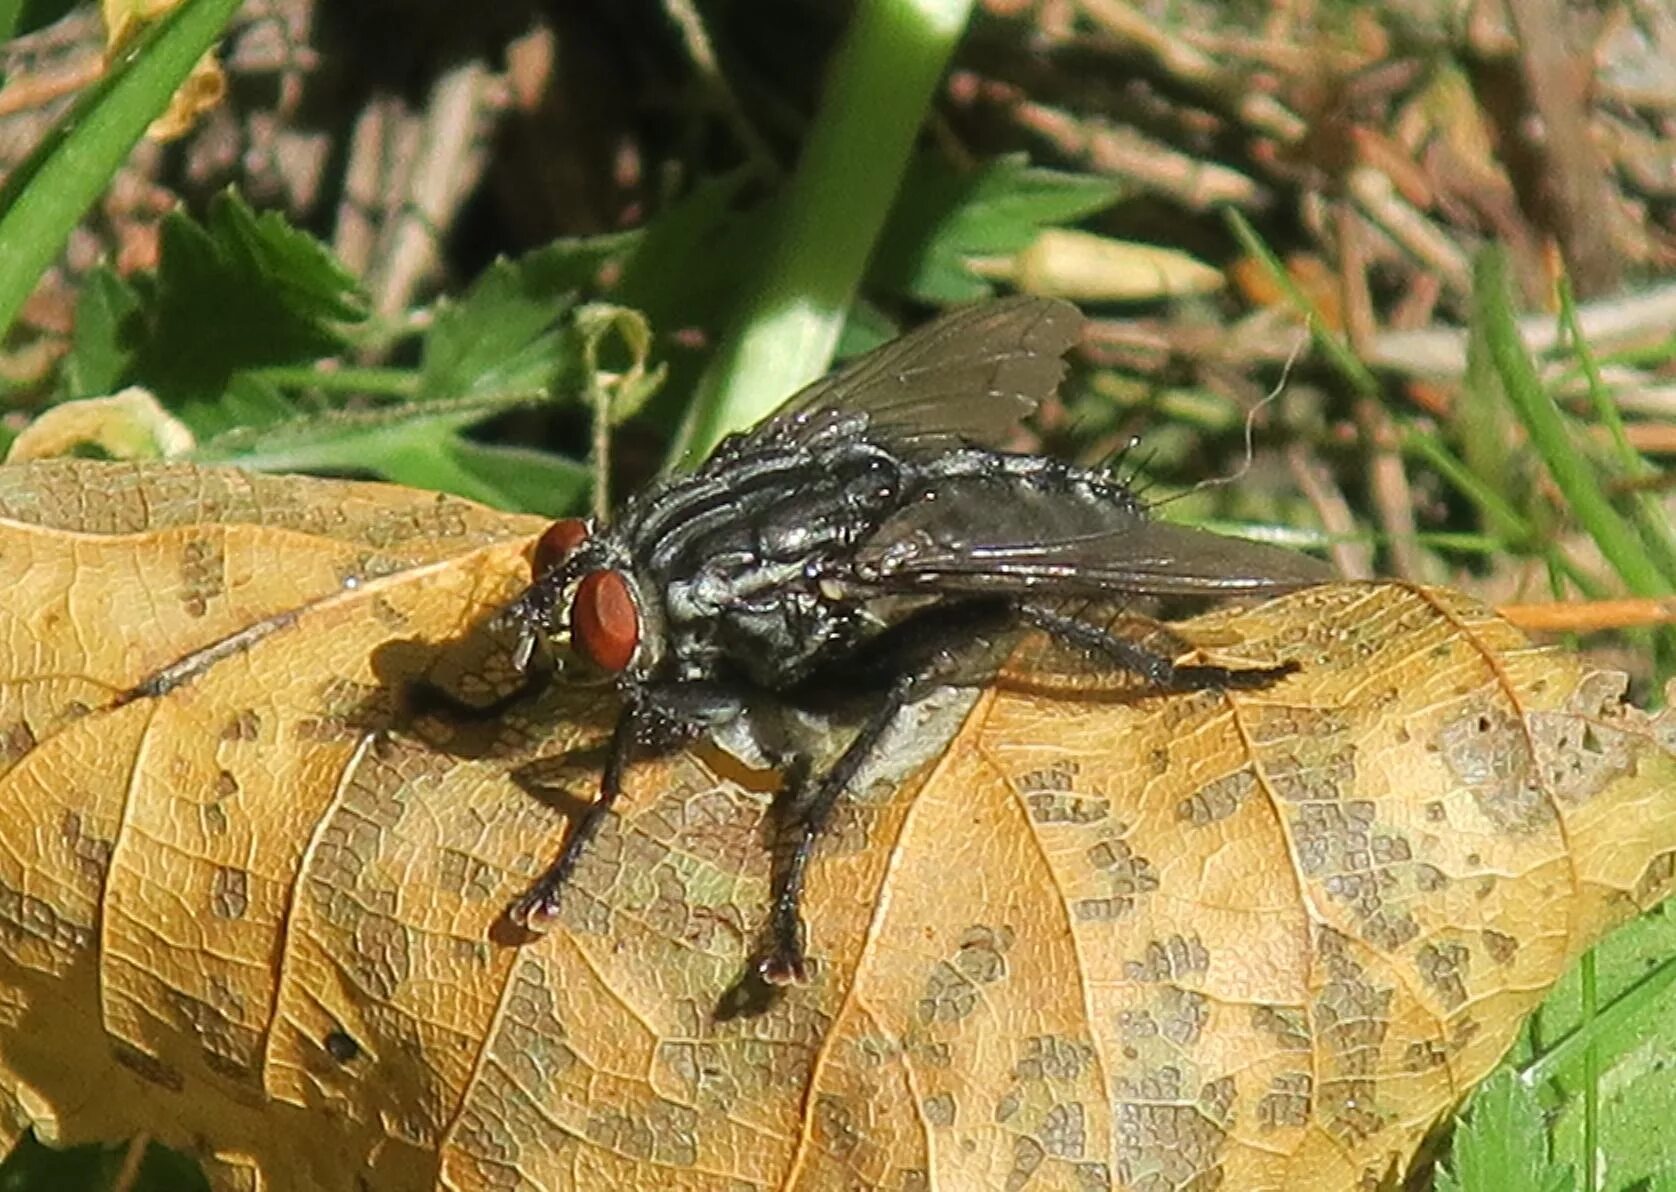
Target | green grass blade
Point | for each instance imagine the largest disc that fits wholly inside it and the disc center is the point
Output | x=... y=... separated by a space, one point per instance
x=1337 y=351
x=1553 y=439
x=827 y=222
x=49 y=192
x=1645 y=510
x=1649 y=996
x=10 y=11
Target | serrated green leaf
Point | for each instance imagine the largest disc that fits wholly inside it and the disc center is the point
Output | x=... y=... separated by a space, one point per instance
x=103 y=343
x=690 y=260
x=501 y=336
x=240 y=291
x=45 y=194
x=244 y=401
x=345 y=439
x=1502 y=1143
x=529 y=481
x=944 y=217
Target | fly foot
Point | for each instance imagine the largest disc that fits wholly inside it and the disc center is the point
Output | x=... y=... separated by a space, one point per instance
x=781 y=968
x=780 y=961
x=537 y=909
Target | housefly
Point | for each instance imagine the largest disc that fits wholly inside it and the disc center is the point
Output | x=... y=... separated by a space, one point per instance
x=875 y=506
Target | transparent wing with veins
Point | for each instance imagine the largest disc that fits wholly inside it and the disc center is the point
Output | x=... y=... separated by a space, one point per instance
x=968 y=377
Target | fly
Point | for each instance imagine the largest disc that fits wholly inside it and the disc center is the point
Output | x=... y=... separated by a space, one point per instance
x=874 y=518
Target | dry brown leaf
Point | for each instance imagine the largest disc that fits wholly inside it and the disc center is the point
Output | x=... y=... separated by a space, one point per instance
x=1248 y=939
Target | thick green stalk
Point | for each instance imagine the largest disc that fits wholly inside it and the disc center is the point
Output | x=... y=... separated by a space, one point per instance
x=51 y=189
x=880 y=84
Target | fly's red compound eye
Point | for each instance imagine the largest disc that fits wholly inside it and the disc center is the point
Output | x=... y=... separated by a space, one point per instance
x=604 y=622
x=556 y=543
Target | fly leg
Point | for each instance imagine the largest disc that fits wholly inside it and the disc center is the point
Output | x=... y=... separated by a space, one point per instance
x=781 y=961
x=538 y=907
x=961 y=649
x=659 y=720
x=1155 y=668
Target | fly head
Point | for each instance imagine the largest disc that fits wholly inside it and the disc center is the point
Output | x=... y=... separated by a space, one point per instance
x=583 y=589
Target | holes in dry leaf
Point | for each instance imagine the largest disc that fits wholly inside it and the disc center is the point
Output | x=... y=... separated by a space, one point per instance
x=1489 y=754
x=92 y=853
x=1027 y=1157
x=1182 y=1015
x=1424 y=1055
x=203 y=578
x=1217 y=1099
x=340 y=1046
x=1577 y=758
x=1094 y=1177
x=1217 y=800
x=1315 y=776
x=1050 y=792
x=1053 y=1057
x=1351 y=1013
x=1502 y=948
x=1162 y=1141
x=1287 y=1026
x=1443 y=966
x=245 y=726
x=25 y=916
x=1349 y=1108
x=1129 y=874
x=1065 y=1130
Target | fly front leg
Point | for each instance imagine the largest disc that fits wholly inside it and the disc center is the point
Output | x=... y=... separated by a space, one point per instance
x=657 y=720
x=1155 y=668
x=538 y=907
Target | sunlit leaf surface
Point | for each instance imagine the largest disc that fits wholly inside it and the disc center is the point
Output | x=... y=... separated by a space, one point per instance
x=251 y=895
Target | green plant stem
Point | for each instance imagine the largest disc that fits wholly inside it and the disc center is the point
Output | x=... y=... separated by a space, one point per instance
x=1505 y=521
x=1591 y=1077
x=48 y=193
x=828 y=220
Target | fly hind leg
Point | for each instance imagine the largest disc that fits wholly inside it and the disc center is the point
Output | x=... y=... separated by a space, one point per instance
x=1155 y=668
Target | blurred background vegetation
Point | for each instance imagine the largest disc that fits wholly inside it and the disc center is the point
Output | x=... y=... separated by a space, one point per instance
x=471 y=247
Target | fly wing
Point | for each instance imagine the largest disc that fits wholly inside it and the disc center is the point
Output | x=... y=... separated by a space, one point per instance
x=985 y=535
x=969 y=376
